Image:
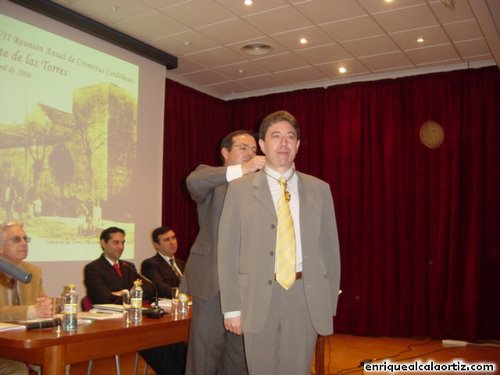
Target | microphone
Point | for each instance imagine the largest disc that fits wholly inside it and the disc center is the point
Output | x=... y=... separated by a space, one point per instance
x=15 y=272
x=153 y=312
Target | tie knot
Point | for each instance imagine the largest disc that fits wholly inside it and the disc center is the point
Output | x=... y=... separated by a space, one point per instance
x=283 y=182
x=284 y=186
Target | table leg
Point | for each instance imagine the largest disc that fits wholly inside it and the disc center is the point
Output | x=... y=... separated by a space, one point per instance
x=320 y=355
x=53 y=360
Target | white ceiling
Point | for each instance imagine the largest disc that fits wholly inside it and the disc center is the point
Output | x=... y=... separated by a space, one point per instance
x=373 y=39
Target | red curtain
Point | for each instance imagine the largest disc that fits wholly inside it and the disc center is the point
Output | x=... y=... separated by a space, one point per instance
x=419 y=228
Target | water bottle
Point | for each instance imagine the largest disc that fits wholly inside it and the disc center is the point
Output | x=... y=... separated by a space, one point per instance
x=183 y=304
x=135 y=312
x=70 y=310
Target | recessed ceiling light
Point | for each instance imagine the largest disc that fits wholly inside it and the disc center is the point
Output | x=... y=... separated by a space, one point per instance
x=241 y=71
x=248 y=2
x=388 y=1
x=420 y=39
x=114 y=8
x=187 y=43
x=342 y=69
x=256 y=49
x=303 y=41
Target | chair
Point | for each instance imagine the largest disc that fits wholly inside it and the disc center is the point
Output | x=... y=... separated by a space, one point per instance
x=87 y=305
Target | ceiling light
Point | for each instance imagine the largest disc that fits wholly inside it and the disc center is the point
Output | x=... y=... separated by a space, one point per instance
x=420 y=39
x=342 y=70
x=186 y=43
x=388 y=1
x=256 y=49
x=114 y=8
x=241 y=71
x=303 y=41
x=248 y=2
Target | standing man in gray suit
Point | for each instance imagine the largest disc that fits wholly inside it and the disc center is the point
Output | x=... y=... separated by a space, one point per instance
x=280 y=321
x=211 y=349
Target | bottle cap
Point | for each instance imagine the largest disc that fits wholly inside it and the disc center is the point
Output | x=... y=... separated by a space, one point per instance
x=71 y=286
x=183 y=297
x=138 y=282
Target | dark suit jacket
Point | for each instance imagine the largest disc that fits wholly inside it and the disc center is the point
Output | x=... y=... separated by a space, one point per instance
x=207 y=186
x=101 y=279
x=28 y=293
x=247 y=258
x=161 y=274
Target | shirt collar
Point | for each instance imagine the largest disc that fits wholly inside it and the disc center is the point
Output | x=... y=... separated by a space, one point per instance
x=165 y=257
x=271 y=172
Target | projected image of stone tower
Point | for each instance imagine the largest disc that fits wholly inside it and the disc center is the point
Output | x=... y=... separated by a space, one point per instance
x=106 y=138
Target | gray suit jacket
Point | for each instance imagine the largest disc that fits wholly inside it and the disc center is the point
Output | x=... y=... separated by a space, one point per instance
x=246 y=248
x=207 y=186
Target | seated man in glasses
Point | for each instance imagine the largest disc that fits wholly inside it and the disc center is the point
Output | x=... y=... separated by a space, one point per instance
x=19 y=301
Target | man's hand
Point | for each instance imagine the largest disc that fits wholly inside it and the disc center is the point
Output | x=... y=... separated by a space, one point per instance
x=43 y=307
x=233 y=325
x=254 y=164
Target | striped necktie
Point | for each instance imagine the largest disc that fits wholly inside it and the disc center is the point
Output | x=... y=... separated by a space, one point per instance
x=175 y=269
x=285 y=241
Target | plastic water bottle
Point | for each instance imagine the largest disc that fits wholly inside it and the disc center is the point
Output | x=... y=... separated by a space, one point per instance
x=135 y=312
x=70 y=310
x=183 y=304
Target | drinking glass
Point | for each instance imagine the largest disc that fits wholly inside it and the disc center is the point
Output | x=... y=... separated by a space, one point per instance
x=126 y=305
x=174 y=309
x=57 y=306
x=57 y=312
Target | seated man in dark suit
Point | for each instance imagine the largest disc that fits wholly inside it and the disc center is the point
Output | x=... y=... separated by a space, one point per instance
x=105 y=279
x=163 y=269
x=107 y=276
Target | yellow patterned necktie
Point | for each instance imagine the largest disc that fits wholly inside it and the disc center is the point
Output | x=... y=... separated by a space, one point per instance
x=285 y=241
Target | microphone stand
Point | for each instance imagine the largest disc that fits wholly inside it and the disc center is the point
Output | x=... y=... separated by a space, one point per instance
x=155 y=311
x=15 y=272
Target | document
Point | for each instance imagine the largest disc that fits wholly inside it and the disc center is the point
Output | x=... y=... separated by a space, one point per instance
x=10 y=326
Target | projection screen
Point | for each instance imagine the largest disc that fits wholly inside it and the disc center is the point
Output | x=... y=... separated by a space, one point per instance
x=81 y=143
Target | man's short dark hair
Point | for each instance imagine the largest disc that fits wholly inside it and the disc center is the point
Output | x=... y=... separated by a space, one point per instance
x=275 y=117
x=106 y=233
x=156 y=233
x=227 y=141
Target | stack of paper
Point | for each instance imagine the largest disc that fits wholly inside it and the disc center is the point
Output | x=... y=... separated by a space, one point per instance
x=10 y=326
x=99 y=315
x=108 y=308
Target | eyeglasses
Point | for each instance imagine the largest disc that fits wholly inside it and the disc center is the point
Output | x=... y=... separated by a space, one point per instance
x=245 y=148
x=18 y=239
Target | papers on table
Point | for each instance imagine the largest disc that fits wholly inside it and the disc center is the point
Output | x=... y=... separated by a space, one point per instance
x=103 y=312
x=10 y=326
x=108 y=308
x=98 y=315
x=165 y=304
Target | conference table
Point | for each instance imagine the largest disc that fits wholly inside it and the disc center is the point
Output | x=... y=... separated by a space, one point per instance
x=54 y=350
